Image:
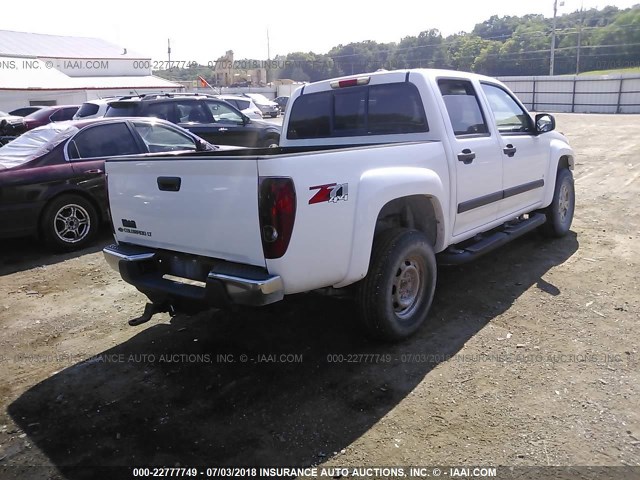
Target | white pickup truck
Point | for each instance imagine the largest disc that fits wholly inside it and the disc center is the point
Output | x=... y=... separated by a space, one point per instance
x=378 y=178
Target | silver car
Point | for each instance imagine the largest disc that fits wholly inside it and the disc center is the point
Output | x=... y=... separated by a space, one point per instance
x=266 y=106
x=244 y=104
x=93 y=108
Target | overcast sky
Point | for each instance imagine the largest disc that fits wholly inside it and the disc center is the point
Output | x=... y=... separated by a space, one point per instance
x=203 y=31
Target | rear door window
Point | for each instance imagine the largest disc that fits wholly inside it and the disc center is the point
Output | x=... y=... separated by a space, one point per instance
x=223 y=113
x=63 y=114
x=162 y=110
x=190 y=112
x=358 y=111
x=463 y=107
x=103 y=141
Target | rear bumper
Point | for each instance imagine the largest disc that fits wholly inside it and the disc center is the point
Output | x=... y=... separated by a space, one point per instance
x=220 y=285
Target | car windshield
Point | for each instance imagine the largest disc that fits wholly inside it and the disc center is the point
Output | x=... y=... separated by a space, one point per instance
x=34 y=144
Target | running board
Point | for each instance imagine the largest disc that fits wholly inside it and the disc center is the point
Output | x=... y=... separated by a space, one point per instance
x=457 y=256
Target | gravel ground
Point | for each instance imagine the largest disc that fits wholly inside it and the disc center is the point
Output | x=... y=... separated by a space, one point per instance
x=531 y=357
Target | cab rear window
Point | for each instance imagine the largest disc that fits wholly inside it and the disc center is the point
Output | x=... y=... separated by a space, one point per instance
x=386 y=109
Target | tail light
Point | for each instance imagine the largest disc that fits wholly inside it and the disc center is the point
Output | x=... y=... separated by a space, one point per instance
x=350 y=82
x=277 y=210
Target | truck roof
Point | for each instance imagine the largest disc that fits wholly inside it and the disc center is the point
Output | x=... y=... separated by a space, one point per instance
x=385 y=76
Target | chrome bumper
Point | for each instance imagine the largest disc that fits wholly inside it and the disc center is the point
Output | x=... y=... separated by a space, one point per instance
x=243 y=284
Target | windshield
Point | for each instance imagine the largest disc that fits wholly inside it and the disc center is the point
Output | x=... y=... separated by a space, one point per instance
x=34 y=144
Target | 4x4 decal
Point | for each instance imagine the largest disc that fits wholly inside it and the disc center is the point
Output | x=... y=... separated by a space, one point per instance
x=331 y=192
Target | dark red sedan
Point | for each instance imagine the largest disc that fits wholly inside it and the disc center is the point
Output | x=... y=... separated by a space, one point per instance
x=52 y=178
x=42 y=116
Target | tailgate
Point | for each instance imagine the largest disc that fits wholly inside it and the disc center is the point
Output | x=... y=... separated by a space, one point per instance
x=203 y=206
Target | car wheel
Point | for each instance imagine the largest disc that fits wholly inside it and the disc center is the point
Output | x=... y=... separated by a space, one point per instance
x=395 y=296
x=271 y=142
x=69 y=222
x=560 y=212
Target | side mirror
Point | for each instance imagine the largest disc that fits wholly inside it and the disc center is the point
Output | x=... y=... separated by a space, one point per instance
x=545 y=123
x=202 y=146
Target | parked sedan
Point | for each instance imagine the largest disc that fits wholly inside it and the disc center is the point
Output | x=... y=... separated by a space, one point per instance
x=24 y=111
x=52 y=177
x=43 y=116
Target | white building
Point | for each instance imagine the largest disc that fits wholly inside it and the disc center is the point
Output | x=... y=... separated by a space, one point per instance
x=37 y=69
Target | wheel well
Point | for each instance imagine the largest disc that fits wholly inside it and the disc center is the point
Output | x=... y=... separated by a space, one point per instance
x=271 y=137
x=79 y=193
x=565 y=162
x=416 y=212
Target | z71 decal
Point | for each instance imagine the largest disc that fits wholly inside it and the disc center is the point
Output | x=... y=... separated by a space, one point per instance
x=331 y=192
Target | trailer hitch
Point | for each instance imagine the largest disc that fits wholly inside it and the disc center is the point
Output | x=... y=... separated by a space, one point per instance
x=150 y=309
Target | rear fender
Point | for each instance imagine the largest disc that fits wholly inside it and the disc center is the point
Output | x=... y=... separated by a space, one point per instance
x=379 y=187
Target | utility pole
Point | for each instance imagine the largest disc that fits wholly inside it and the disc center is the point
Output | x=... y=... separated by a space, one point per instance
x=579 y=39
x=169 y=51
x=553 y=37
x=268 y=57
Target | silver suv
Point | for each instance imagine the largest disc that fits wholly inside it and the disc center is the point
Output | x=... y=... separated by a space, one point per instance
x=266 y=106
x=94 y=108
x=244 y=104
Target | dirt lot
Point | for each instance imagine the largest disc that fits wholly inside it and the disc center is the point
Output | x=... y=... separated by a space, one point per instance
x=531 y=357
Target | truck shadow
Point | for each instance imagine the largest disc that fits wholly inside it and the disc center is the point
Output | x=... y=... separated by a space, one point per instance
x=282 y=386
x=20 y=254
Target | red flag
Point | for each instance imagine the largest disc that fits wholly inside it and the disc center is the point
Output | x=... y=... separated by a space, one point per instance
x=203 y=82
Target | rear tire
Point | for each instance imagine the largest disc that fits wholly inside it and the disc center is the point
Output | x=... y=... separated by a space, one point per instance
x=69 y=222
x=395 y=296
x=560 y=212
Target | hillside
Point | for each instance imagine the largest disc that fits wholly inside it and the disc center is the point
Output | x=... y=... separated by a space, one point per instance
x=588 y=40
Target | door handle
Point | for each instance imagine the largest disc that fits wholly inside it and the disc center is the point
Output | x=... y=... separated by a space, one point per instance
x=94 y=171
x=466 y=156
x=169 y=184
x=223 y=129
x=510 y=150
